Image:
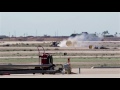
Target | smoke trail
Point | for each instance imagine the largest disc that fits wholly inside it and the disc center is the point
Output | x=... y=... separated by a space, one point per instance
x=83 y=40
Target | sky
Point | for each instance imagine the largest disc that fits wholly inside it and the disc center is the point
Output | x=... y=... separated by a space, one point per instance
x=58 y=23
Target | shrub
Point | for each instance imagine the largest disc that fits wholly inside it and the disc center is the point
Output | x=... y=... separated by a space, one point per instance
x=27 y=44
x=65 y=54
x=7 y=45
x=56 y=49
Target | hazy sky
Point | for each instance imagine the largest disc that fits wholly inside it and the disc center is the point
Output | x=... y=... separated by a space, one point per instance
x=58 y=23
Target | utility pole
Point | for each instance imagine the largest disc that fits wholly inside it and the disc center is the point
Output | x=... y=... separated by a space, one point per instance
x=24 y=36
x=55 y=34
x=74 y=31
x=36 y=33
x=9 y=36
x=15 y=35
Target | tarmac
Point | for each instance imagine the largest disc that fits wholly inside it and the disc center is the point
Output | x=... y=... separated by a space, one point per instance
x=80 y=73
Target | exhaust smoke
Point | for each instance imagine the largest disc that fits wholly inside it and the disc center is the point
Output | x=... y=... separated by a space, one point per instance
x=83 y=40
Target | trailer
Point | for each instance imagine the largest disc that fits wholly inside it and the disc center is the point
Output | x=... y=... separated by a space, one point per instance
x=45 y=66
x=30 y=69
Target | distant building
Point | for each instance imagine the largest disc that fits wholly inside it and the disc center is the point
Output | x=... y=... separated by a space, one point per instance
x=3 y=36
x=108 y=36
x=85 y=33
x=73 y=35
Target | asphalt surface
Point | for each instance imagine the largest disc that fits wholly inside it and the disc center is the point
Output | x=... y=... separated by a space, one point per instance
x=82 y=73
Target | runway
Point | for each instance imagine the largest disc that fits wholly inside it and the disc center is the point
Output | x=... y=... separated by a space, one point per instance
x=84 y=73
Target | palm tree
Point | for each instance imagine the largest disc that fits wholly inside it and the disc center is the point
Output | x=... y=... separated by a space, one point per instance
x=105 y=32
x=115 y=34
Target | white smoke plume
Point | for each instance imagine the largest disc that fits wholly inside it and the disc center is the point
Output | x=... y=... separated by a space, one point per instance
x=84 y=40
